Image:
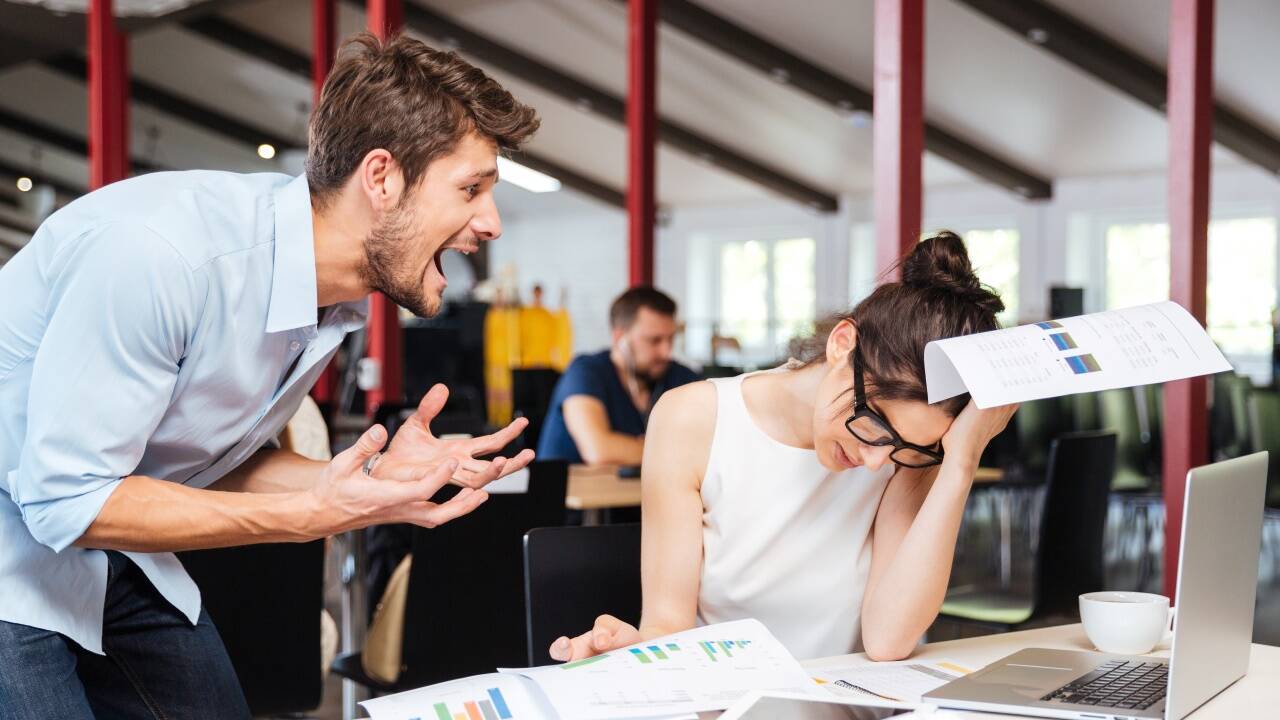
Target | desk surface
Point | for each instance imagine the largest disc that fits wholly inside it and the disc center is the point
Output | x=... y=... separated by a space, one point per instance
x=597 y=487
x=1256 y=695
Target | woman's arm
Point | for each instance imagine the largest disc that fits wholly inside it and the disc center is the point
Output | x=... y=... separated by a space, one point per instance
x=675 y=458
x=914 y=537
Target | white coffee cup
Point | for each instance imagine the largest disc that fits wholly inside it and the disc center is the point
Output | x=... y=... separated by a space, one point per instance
x=1126 y=623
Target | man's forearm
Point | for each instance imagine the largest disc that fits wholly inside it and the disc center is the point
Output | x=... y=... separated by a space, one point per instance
x=272 y=471
x=148 y=515
x=611 y=448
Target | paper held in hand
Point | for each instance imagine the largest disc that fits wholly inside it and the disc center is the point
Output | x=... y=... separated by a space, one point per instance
x=1114 y=349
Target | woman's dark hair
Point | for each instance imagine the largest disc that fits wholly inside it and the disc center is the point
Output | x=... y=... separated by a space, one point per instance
x=939 y=296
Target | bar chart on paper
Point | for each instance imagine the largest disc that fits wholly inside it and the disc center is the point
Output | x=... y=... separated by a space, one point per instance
x=492 y=707
x=700 y=669
x=485 y=697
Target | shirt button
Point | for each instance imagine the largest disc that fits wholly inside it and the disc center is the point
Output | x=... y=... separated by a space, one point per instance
x=294 y=345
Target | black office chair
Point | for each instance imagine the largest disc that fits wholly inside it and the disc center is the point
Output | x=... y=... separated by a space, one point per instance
x=531 y=391
x=1068 y=559
x=575 y=574
x=265 y=601
x=464 y=610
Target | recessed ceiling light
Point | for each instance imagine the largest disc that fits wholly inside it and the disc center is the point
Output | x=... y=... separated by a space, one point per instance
x=25 y=184
x=526 y=177
x=266 y=151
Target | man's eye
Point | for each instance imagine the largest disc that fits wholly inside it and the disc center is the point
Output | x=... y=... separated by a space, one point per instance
x=472 y=190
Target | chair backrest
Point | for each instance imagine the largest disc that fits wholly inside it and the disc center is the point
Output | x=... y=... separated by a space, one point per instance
x=531 y=391
x=1264 y=434
x=1038 y=422
x=575 y=574
x=265 y=601
x=1069 y=556
x=1238 y=391
x=1120 y=416
x=465 y=607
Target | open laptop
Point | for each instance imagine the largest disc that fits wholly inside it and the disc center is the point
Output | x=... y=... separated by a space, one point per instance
x=1213 y=628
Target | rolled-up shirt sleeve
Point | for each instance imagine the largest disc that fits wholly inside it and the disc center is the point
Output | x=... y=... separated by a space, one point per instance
x=121 y=310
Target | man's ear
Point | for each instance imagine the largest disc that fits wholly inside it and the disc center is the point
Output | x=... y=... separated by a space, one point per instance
x=841 y=341
x=381 y=180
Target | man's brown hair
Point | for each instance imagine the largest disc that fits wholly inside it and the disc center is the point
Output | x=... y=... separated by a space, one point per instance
x=623 y=312
x=409 y=99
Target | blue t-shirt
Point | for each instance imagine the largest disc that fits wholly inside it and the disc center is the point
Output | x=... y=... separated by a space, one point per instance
x=595 y=375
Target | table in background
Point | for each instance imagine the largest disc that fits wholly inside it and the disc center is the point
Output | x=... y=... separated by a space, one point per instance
x=596 y=488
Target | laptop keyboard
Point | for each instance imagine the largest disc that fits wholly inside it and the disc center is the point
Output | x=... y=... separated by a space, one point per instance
x=1116 y=684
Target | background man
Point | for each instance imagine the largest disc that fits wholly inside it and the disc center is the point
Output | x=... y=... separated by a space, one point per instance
x=601 y=405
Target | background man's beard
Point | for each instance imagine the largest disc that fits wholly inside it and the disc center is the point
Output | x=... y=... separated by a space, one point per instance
x=384 y=252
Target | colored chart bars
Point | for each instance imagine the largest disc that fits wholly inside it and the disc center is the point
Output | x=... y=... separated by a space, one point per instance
x=492 y=708
x=655 y=653
x=722 y=647
x=1063 y=341
x=1081 y=364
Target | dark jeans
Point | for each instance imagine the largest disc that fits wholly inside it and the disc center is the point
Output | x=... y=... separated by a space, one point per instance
x=157 y=665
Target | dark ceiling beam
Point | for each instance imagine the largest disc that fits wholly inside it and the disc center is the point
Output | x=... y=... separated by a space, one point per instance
x=583 y=184
x=269 y=51
x=589 y=97
x=844 y=96
x=249 y=42
x=42 y=134
x=201 y=116
x=1095 y=53
x=13 y=172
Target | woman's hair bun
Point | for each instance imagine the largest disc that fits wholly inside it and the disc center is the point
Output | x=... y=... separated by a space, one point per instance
x=941 y=262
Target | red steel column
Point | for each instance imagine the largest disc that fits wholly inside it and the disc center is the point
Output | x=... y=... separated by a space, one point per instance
x=642 y=104
x=1190 y=108
x=898 y=127
x=323 y=22
x=385 y=18
x=323 y=16
x=108 y=97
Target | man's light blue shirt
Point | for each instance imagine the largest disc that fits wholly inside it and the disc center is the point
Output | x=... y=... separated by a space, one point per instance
x=147 y=329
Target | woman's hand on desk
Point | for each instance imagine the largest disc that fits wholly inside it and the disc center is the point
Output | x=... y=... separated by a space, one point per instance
x=609 y=633
x=416 y=450
x=347 y=498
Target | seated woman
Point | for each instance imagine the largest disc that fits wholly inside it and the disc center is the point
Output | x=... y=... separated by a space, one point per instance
x=821 y=498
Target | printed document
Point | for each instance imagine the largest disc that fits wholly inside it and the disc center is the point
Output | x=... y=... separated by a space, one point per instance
x=1114 y=349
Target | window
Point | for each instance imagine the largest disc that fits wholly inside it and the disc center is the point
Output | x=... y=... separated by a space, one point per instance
x=1137 y=264
x=767 y=294
x=994 y=255
x=992 y=251
x=1242 y=279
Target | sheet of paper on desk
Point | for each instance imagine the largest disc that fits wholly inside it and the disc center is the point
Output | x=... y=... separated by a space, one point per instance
x=707 y=668
x=1115 y=349
x=905 y=681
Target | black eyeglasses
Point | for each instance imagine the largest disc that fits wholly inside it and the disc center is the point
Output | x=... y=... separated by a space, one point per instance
x=869 y=427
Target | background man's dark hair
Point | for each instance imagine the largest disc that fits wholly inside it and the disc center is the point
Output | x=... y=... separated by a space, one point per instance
x=622 y=314
x=409 y=99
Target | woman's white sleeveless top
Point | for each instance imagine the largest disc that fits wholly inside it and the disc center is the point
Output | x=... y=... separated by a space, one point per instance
x=784 y=540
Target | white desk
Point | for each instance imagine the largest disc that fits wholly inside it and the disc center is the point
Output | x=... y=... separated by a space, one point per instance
x=1256 y=695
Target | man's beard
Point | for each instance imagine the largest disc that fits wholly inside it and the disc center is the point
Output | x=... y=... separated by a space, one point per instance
x=385 y=253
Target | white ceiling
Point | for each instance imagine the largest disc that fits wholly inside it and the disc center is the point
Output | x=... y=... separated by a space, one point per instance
x=983 y=83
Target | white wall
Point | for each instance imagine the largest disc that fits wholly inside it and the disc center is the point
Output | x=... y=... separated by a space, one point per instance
x=582 y=252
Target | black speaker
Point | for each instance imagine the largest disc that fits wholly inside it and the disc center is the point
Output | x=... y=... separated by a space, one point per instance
x=1066 y=302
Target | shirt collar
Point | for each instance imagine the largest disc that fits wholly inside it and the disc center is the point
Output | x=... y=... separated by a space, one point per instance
x=293 y=277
